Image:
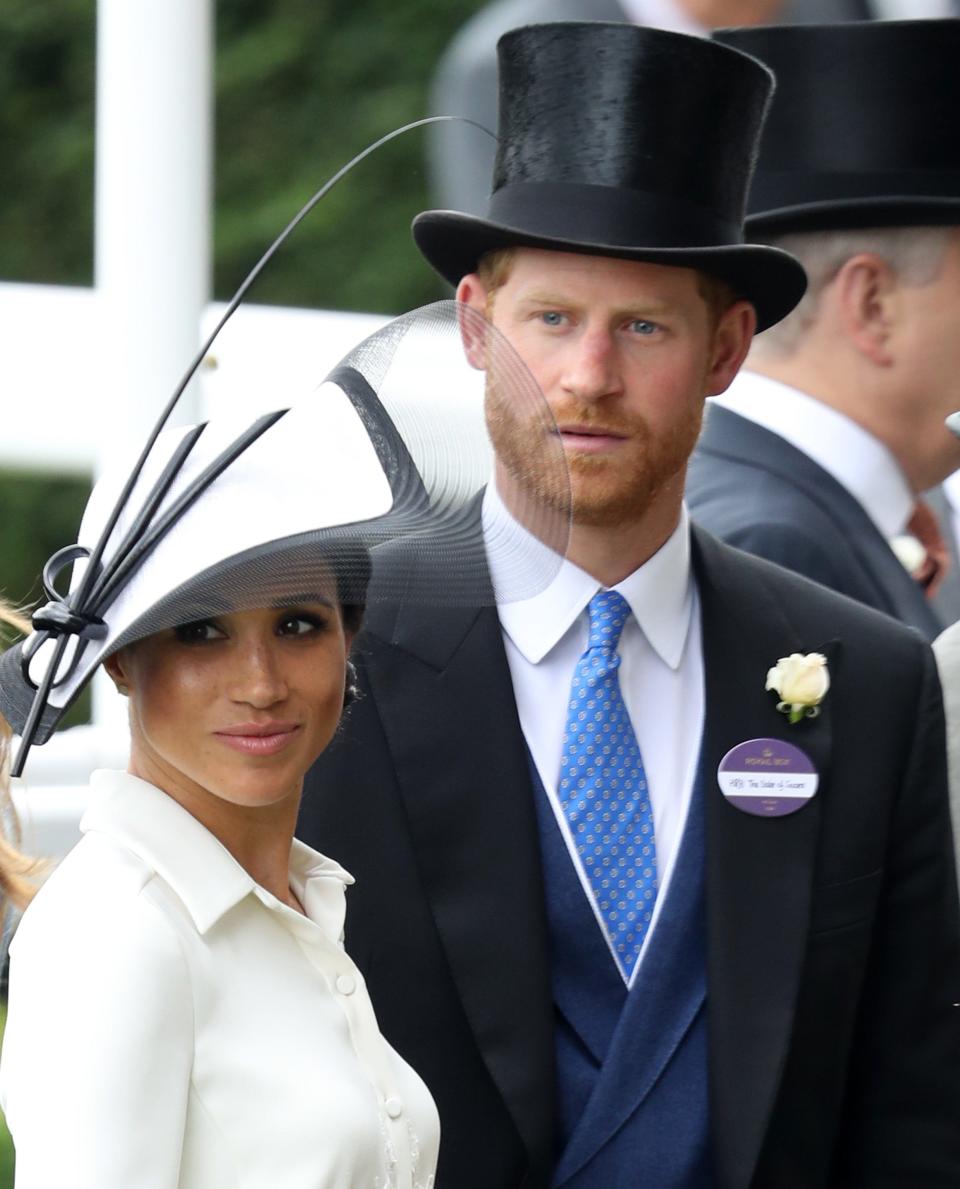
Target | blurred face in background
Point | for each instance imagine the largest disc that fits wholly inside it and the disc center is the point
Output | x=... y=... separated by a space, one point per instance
x=725 y=14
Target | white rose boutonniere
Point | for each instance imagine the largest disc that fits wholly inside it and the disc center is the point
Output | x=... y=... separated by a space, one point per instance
x=801 y=683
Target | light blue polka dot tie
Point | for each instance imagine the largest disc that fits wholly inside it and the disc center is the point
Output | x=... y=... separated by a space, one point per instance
x=603 y=787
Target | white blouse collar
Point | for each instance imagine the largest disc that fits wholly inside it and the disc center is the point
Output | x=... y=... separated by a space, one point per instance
x=195 y=864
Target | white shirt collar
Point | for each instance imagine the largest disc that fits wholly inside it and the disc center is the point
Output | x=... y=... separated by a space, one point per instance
x=951 y=489
x=660 y=592
x=912 y=10
x=196 y=865
x=845 y=450
x=662 y=14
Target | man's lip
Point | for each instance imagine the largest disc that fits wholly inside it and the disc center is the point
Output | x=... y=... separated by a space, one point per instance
x=590 y=439
x=589 y=431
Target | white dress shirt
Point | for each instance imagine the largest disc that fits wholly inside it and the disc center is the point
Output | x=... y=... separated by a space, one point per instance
x=912 y=10
x=845 y=450
x=661 y=676
x=951 y=491
x=173 y=1024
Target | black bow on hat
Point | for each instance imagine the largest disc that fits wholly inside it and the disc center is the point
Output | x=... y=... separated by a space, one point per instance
x=619 y=140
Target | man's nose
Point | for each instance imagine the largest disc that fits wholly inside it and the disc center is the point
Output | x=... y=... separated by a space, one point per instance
x=592 y=370
x=258 y=678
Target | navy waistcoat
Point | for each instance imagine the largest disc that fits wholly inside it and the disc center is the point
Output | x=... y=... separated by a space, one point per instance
x=631 y=1068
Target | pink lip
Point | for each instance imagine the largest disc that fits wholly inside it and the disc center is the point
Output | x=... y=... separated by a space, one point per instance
x=589 y=439
x=259 y=739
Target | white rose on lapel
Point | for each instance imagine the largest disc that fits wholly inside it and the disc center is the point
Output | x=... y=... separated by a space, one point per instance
x=801 y=683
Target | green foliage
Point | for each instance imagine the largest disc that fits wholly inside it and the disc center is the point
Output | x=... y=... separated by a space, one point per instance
x=301 y=87
x=46 y=129
x=6 y=1143
x=39 y=514
x=6 y=1157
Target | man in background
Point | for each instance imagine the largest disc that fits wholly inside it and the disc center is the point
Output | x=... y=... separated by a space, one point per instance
x=818 y=455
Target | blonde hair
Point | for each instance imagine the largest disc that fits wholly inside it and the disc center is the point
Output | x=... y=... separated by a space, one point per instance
x=18 y=872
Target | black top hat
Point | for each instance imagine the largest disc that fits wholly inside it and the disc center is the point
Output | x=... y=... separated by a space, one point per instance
x=862 y=131
x=619 y=140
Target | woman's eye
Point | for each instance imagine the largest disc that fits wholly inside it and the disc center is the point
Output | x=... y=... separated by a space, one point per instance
x=299 y=625
x=198 y=632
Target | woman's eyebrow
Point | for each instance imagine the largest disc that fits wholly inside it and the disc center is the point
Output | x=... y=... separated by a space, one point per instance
x=300 y=600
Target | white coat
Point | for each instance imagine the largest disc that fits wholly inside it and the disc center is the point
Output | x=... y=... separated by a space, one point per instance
x=172 y=1025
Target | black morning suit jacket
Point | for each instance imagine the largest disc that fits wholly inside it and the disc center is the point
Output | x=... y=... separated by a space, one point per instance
x=834 y=940
x=753 y=489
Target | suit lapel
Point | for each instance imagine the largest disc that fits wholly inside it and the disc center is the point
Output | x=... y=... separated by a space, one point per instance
x=465 y=785
x=729 y=435
x=759 y=870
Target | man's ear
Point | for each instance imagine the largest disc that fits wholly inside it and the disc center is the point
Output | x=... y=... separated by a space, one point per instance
x=471 y=315
x=865 y=292
x=731 y=342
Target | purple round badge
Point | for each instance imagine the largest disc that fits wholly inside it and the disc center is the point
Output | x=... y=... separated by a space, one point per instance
x=767 y=777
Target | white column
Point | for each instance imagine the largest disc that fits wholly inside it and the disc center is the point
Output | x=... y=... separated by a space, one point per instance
x=153 y=213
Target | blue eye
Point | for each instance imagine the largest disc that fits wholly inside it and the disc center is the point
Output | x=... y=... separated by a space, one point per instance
x=643 y=327
x=552 y=318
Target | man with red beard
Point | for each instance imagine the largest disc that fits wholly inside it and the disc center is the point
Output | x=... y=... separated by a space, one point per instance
x=654 y=884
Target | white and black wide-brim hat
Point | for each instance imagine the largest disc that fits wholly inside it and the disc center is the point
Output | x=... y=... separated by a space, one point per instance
x=862 y=130
x=389 y=453
x=620 y=140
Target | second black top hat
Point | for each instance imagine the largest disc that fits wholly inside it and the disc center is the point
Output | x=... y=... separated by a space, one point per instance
x=619 y=140
x=862 y=131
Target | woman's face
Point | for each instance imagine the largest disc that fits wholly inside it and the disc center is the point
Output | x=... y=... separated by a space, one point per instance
x=236 y=707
